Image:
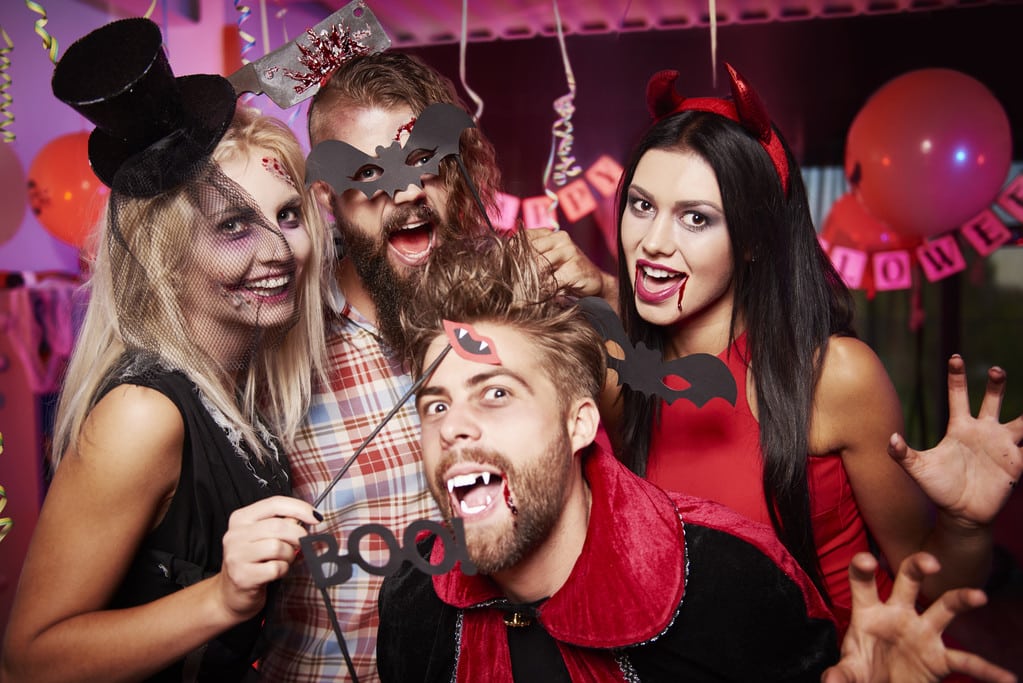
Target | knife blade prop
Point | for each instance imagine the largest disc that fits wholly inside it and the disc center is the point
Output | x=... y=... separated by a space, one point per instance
x=294 y=72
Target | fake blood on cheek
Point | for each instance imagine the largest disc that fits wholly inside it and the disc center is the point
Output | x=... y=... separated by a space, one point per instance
x=508 y=501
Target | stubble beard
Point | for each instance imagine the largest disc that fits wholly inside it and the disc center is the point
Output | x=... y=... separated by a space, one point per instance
x=538 y=491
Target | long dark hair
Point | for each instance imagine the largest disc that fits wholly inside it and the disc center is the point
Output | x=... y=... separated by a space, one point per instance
x=787 y=292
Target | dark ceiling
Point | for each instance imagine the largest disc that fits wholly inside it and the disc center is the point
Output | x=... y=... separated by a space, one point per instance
x=814 y=62
x=814 y=75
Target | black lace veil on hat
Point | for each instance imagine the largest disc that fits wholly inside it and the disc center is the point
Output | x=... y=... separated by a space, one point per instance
x=201 y=277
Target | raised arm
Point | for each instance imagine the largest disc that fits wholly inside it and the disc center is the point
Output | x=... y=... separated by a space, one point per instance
x=966 y=478
x=969 y=475
x=891 y=642
x=572 y=268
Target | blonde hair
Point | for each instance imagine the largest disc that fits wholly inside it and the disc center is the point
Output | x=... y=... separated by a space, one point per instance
x=275 y=385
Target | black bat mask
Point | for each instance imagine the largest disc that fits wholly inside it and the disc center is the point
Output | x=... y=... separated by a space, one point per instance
x=434 y=137
x=644 y=370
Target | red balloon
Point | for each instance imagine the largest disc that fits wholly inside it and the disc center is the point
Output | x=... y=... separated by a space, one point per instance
x=929 y=150
x=64 y=193
x=850 y=224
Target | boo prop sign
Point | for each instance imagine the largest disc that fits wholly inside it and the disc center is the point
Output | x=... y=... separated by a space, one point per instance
x=329 y=568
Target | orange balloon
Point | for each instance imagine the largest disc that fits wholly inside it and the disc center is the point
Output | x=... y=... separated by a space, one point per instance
x=64 y=193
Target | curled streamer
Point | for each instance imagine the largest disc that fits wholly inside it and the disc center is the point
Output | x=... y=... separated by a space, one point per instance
x=562 y=131
x=49 y=42
x=248 y=40
x=566 y=167
x=5 y=522
x=6 y=115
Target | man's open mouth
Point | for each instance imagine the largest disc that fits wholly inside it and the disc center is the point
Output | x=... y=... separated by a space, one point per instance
x=413 y=242
x=474 y=492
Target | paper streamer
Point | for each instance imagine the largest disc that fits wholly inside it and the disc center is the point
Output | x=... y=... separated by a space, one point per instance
x=5 y=522
x=563 y=138
x=7 y=116
x=49 y=42
x=461 y=62
x=248 y=40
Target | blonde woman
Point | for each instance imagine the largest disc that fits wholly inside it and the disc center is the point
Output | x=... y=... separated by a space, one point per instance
x=170 y=515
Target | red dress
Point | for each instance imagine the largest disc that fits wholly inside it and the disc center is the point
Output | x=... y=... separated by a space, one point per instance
x=714 y=452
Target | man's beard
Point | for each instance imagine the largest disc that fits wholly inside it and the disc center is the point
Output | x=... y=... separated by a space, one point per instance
x=390 y=288
x=538 y=495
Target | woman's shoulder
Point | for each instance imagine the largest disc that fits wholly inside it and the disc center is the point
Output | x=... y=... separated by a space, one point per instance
x=854 y=399
x=851 y=364
x=134 y=417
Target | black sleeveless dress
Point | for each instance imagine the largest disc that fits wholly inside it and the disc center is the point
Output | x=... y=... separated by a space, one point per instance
x=216 y=478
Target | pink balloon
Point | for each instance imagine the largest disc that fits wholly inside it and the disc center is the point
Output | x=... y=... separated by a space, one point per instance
x=932 y=148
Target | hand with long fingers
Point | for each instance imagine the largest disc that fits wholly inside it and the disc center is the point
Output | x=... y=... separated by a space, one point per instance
x=261 y=542
x=572 y=268
x=890 y=642
x=971 y=473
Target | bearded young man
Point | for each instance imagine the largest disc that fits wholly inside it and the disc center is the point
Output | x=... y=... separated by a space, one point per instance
x=383 y=238
x=584 y=571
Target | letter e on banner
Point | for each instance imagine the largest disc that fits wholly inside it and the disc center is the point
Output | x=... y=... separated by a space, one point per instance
x=1011 y=198
x=604 y=175
x=940 y=258
x=985 y=232
x=535 y=212
x=850 y=264
x=892 y=270
x=576 y=200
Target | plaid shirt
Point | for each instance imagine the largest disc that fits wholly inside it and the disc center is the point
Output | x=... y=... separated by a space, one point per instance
x=385 y=486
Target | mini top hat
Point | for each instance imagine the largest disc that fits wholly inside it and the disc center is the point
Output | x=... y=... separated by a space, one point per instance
x=152 y=129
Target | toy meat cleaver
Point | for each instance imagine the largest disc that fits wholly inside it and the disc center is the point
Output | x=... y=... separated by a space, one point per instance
x=295 y=71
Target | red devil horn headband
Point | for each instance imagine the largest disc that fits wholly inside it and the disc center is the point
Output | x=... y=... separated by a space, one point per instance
x=745 y=108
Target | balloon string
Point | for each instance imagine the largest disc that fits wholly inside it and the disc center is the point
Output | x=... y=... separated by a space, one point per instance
x=248 y=42
x=296 y=110
x=461 y=62
x=562 y=132
x=6 y=133
x=281 y=13
x=49 y=42
x=264 y=26
x=712 y=9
